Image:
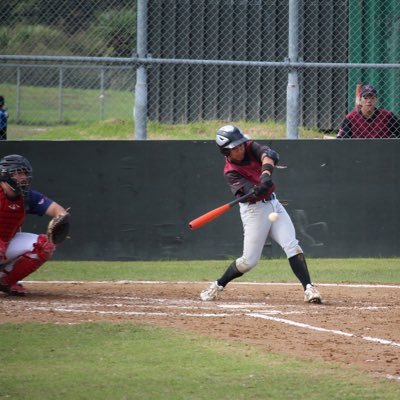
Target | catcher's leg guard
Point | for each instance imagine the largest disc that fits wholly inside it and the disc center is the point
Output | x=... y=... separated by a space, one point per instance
x=27 y=263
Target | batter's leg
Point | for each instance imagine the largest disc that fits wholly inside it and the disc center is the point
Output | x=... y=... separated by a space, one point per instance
x=255 y=226
x=300 y=269
x=283 y=232
x=230 y=274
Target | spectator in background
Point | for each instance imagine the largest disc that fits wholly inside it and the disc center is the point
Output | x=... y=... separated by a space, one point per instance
x=3 y=119
x=368 y=121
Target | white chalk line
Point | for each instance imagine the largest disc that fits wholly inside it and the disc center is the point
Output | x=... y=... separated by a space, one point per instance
x=157 y=304
x=317 y=328
x=124 y=282
x=80 y=311
x=263 y=313
x=388 y=376
x=192 y=304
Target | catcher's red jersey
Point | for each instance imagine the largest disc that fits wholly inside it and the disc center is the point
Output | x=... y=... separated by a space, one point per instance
x=12 y=216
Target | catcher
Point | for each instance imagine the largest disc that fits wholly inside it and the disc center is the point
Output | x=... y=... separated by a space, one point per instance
x=22 y=253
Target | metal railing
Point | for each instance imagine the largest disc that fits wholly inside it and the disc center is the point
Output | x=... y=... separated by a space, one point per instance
x=290 y=60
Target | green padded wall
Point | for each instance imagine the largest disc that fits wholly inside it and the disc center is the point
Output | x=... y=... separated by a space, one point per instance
x=132 y=200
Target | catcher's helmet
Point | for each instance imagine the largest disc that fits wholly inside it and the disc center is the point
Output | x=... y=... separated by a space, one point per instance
x=228 y=137
x=16 y=163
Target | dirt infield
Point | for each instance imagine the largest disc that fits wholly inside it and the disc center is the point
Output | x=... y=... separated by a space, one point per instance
x=356 y=324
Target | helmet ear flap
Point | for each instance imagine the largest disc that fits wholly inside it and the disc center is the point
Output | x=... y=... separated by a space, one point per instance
x=228 y=137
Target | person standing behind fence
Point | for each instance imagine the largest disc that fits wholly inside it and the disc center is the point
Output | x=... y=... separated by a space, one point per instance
x=368 y=121
x=3 y=119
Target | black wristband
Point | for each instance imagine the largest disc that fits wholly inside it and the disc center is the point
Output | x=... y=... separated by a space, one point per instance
x=267 y=167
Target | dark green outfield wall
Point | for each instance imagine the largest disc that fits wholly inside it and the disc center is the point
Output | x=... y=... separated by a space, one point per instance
x=132 y=200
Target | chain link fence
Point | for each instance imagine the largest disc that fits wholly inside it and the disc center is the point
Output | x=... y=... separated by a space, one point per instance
x=226 y=60
x=66 y=90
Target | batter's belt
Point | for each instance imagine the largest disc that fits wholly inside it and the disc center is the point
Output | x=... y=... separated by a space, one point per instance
x=272 y=196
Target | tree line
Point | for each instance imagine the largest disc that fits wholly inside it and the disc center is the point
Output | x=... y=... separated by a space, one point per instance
x=68 y=27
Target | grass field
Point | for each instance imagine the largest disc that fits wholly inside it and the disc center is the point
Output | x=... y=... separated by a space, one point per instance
x=83 y=118
x=125 y=360
x=131 y=361
x=362 y=270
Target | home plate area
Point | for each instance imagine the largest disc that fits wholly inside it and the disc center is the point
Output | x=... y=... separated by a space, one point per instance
x=355 y=324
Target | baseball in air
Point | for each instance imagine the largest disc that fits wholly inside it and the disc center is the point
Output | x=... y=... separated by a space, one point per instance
x=273 y=216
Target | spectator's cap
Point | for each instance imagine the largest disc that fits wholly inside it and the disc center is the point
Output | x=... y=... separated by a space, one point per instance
x=1 y=100
x=368 y=90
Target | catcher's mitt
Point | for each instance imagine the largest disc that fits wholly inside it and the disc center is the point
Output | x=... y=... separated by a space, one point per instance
x=58 y=228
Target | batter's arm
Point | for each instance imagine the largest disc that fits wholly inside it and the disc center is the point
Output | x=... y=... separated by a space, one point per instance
x=269 y=158
x=265 y=154
x=267 y=164
x=238 y=184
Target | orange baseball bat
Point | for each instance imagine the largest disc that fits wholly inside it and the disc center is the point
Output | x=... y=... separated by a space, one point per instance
x=209 y=216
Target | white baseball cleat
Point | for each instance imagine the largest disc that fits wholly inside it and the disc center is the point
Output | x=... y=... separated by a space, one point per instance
x=211 y=292
x=311 y=294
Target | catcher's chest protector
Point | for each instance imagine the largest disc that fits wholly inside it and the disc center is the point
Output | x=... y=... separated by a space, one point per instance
x=12 y=216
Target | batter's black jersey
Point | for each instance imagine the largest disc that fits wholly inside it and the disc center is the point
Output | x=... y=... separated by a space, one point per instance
x=239 y=183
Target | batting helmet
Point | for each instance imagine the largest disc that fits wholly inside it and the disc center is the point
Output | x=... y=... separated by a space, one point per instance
x=16 y=163
x=228 y=137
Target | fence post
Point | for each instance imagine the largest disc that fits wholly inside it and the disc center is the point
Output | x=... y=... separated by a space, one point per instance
x=101 y=94
x=61 y=95
x=292 y=94
x=140 y=107
x=18 y=96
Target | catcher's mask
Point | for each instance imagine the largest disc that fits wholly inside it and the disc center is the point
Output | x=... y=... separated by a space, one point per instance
x=228 y=137
x=13 y=165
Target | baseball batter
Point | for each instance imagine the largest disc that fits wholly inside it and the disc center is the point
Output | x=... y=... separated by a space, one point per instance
x=249 y=167
x=21 y=253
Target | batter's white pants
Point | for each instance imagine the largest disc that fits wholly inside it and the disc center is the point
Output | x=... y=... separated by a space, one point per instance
x=257 y=227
